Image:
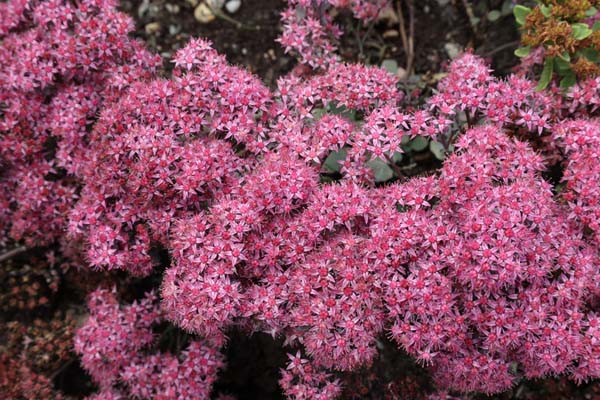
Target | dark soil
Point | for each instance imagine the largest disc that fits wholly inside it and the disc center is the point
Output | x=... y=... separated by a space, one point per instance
x=253 y=45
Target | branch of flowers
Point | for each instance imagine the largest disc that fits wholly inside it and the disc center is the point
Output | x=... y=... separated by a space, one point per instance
x=12 y=253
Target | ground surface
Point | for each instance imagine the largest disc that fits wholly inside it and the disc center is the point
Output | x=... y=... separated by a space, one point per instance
x=166 y=25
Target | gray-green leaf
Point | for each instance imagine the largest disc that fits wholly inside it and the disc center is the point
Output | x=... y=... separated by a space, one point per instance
x=590 y=54
x=546 y=10
x=418 y=144
x=397 y=157
x=332 y=160
x=390 y=65
x=438 y=150
x=591 y=12
x=507 y=7
x=565 y=56
x=494 y=15
x=382 y=171
x=561 y=65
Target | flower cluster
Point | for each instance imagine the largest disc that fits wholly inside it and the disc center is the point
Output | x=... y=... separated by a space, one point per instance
x=59 y=63
x=510 y=277
x=111 y=344
x=310 y=32
x=18 y=381
x=44 y=345
x=164 y=150
x=300 y=382
x=27 y=288
x=581 y=142
x=112 y=336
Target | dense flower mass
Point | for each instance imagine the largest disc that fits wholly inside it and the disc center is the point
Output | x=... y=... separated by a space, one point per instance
x=112 y=336
x=162 y=151
x=482 y=271
x=510 y=276
x=112 y=345
x=581 y=142
x=471 y=272
x=59 y=63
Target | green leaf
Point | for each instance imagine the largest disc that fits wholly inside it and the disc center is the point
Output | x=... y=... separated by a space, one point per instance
x=546 y=74
x=418 y=144
x=581 y=31
x=568 y=81
x=521 y=12
x=342 y=111
x=523 y=51
x=494 y=15
x=565 y=57
x=382 y=171
x=438 y=150
x=596 y=26
x=331 y=162
x=591 y=12
x=546 y=10
x=562 y=65
x=317 y=113
x=390 y=66
x=591 y=54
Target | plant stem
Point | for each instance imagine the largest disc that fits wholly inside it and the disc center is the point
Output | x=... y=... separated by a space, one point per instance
x=11 y=253
x=408 y=42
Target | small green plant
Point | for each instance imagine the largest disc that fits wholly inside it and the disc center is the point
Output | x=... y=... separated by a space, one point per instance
x=569 y=38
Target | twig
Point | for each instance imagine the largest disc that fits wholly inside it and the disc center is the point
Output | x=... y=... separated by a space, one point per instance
x=408 y=42
x=471 y=16
x=411 y=36
x=61 y=369
x=395 y=168
x=356 y=29
x=469 y=120
x=219 y=14
x=11 y=253
x=402 y=27
x=501 y=48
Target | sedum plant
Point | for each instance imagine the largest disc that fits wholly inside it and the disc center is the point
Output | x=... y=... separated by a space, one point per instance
x=482 y=271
